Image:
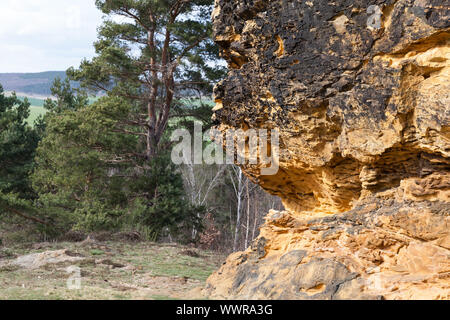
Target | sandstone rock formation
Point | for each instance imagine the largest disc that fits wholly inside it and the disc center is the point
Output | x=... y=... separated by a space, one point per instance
x=363 y=111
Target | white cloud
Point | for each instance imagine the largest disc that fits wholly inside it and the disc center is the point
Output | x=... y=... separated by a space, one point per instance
x=46 y=34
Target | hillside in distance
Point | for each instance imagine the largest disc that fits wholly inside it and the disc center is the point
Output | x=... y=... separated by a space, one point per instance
x=32 y=84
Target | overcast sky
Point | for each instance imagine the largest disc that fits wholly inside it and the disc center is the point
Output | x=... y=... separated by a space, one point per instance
x=46 y=35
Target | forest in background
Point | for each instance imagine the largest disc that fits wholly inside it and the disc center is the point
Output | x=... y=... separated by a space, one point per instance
x=36 y=84
x=103 y=167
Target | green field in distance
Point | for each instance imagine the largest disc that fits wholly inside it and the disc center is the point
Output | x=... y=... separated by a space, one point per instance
x=37 y=106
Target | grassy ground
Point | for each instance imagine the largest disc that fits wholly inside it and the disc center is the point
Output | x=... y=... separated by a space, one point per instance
x=145 y=271
x=33 y=101
x=36 y=108
x=35 y=112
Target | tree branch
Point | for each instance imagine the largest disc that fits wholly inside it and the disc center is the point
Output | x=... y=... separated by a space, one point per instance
x=16 y=212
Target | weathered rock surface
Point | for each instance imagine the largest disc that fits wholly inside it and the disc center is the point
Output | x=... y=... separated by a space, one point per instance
x=364 y=121
x=39 y=260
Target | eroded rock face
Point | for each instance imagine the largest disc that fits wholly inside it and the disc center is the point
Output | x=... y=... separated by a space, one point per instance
x=364 y=120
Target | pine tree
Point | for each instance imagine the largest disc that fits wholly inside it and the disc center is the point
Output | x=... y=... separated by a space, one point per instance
x=90 y=176
x=66 y=97
x=18 y=142
x=161 y=52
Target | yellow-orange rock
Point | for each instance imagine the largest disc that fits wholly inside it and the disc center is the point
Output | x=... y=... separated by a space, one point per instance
x=364 y=121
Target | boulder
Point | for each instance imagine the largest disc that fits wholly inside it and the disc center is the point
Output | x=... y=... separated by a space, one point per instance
x=39 y=260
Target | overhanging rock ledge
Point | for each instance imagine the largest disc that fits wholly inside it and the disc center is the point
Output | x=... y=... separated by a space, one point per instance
x=363 y=111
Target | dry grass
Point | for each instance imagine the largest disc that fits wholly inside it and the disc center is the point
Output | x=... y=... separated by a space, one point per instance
x=110 y=270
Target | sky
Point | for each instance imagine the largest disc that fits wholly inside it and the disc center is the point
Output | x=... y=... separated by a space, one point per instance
x=46 y=35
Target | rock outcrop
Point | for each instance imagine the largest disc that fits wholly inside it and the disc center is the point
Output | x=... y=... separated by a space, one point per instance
x=360 y=93
x=39 y=260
